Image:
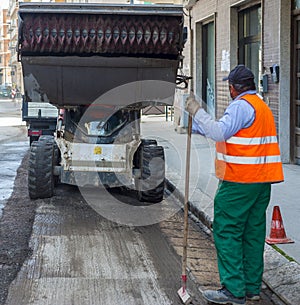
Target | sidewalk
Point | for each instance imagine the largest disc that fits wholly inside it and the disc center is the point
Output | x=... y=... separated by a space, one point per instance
x=281 y=275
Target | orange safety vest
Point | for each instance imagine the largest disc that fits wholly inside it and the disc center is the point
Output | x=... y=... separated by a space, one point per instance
x=252 y=155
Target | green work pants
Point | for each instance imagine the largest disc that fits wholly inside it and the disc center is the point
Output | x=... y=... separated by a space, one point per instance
x=239 y=229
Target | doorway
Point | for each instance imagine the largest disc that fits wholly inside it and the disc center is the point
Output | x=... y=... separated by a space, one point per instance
x=295 y=109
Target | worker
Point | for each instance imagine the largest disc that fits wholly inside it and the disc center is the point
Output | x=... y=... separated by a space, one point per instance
x=247 y=163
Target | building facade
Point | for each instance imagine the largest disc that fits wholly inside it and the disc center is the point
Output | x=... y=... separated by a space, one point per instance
x=265 y=36
x=16 y=72
x=5 y=71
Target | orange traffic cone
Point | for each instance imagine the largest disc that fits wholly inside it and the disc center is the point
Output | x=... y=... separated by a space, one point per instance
x=277 y=234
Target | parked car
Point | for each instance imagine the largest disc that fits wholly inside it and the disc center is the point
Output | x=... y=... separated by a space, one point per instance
x=5 y=92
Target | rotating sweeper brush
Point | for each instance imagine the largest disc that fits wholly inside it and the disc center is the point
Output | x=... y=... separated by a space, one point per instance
x=110 y=34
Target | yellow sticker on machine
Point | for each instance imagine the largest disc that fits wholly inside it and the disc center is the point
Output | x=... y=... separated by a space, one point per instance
x=97 y=150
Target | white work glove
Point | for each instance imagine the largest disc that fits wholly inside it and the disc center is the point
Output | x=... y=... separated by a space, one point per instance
x=191 y=105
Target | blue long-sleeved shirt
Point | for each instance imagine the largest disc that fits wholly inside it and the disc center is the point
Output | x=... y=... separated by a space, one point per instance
x=238 y=115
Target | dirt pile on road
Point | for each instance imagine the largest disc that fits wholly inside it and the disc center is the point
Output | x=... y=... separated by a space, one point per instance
x=15 y=230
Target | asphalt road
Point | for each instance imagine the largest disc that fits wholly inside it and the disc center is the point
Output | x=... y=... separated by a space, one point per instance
x=80 y=257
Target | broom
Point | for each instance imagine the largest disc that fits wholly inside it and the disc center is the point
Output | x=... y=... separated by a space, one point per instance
x=182 y=292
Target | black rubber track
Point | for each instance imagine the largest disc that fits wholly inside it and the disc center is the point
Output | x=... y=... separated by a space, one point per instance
x=40 y=171
x=151 y=184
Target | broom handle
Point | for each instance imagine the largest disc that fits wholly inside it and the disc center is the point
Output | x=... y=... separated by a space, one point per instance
x=187 y=166
x=186 y=200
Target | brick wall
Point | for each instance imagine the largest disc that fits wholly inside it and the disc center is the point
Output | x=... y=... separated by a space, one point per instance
x=271 y=52
x=220 y=12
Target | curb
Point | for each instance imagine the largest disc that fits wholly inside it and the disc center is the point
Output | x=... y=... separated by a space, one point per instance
x=280 y=275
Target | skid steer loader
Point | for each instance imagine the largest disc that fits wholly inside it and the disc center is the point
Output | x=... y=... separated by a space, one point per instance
x=99 y=65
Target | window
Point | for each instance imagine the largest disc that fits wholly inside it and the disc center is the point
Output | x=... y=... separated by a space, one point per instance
x=249 y=39
x=208 y=67
x=296 y=4
x=205 y=64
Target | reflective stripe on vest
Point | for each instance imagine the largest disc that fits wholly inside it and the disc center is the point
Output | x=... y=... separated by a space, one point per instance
x=248 y=160
x=252 y=141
